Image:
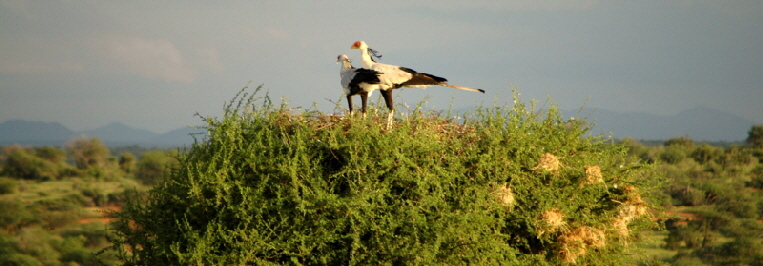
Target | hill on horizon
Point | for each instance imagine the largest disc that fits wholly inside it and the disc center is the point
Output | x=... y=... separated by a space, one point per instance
x=36 y=133
x=699 y=123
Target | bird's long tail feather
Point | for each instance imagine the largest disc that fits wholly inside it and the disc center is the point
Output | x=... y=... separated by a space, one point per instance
x=463 y=88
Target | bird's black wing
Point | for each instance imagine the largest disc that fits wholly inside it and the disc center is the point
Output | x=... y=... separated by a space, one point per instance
x=363 y=75
x=360 y=76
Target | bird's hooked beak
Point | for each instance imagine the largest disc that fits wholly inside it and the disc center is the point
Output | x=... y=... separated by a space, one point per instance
x=339 y=59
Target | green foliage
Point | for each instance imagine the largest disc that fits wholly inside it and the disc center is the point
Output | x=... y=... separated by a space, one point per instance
x=684 y=260
x=511 y=186
x=682 y=141
x=88 y=152
x=153 y=165
x=755 y=137
x=37 y=242
x=8 y=187
x=127 y=162
x=92 y=235
x=673 y=154
x=756 y=178
x=34 y=246
x=57 y=213
x=73 y=249
x=13 y=216
x=716 y=196
x=19 y=260
x=706 y=153
x=52 y=154
x=45 y=163
x=41 y=205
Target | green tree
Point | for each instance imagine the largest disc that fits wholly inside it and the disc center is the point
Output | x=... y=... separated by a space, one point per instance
x=88 y=152
x=52 y=154
x=681 y=141
x=14 y=216
x=152 y=166
x=755 y=137
x=24 y=163
x=706 y=153
x=509 y=187
x=673 y=154
x=127 y=162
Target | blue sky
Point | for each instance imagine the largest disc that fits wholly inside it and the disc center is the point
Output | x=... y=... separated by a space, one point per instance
x=153 y=64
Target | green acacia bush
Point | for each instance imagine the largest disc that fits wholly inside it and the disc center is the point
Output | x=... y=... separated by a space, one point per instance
x=506 y=186
x=23 y=163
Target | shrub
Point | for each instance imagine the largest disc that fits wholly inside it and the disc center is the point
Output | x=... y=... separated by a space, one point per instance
x=152 y=166
x=19 y=260
x=37 y=242
x=756 y=178
x=681 y=141
x=23 y=163
x=9 y=187
x=706 y=153
x=127 y=162
x=674 y=154
x=272 y=186
x=57 y=213
x=13 y=215
x=52 y=154
x=88 y=152
x=755 y=137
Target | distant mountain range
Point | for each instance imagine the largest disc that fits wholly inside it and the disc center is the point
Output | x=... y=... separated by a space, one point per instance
x=36 y=133
x=699 y=124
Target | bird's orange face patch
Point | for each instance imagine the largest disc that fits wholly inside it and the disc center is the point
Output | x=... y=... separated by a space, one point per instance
x=356 y=45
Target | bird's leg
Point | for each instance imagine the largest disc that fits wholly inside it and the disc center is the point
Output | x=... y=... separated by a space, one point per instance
x=387 y=94
x=389 y=118
x=364 y=100
x=349 y=102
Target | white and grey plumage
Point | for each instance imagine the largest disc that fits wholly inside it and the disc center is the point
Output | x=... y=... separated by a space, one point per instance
x=393 y=77
x=357 y=81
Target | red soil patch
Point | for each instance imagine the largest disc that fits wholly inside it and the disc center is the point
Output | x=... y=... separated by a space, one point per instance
x=103 y=214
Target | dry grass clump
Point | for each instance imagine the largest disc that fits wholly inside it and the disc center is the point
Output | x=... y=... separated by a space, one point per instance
x=632 y=211
x=576 y=242
x=549 y=163
x=447 y=127
x=504 y=196
x=553 y=220
x=633 y=195
x=633 y=207
x=593 y=174
x=620 y=225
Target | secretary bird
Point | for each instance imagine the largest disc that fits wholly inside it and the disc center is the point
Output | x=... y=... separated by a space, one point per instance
x=357 y=81
x=394 y=77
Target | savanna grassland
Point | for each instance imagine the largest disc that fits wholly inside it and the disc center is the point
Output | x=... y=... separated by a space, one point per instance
x=56 y=203
x=502 y=185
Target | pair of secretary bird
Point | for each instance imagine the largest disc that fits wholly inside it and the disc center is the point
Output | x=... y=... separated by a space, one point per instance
x=383 y=77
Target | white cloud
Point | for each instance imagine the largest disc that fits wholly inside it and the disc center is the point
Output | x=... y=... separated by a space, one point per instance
x=152 y=58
